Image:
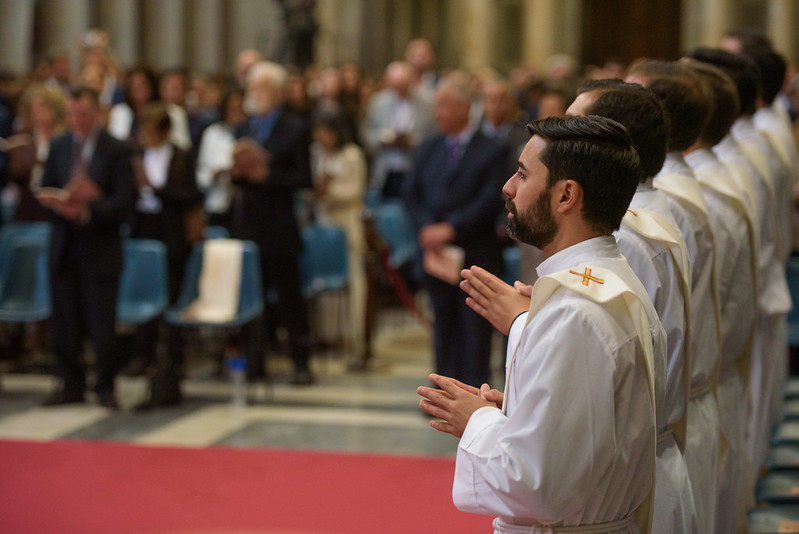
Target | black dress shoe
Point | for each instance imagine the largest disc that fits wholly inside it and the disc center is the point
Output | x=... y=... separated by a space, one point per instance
x=62 y=396
x=106 y=399
x=302 y=378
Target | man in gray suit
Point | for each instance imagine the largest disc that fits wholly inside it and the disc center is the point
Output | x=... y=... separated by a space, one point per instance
x=397 y=119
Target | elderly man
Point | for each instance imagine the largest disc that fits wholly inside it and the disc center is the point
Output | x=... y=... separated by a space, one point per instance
x=396 y=121
x=272 y=161
x=453 y=197
x=571 y=443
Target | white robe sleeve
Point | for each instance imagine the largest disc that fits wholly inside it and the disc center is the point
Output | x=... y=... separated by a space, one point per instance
x=545 y=458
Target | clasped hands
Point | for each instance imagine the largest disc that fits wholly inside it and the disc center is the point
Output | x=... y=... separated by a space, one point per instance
x=499 y=303
x=250 y=160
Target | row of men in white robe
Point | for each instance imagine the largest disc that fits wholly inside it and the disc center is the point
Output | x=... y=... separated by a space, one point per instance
x=708 y=235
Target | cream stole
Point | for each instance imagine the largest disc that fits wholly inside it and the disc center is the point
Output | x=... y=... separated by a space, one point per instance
x=652 y=226
x=689 y=192
x=606 y=288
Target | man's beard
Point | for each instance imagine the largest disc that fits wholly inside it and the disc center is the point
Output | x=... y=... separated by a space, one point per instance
x=535 y=226
x=254 y=106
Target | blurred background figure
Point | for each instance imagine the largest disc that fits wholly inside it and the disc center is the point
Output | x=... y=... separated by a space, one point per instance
x=396 y=120
x=215 y=158
x=339 y=177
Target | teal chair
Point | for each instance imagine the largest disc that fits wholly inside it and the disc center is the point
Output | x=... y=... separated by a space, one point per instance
x=24 y=277
x=773 y=519
x=393 y=224
x=323 y=262
x=143 y=293
x=215 y=232
x=251 y=301
x=778 y=487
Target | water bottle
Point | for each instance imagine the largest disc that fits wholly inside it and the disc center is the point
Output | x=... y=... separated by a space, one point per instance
x=237 y=368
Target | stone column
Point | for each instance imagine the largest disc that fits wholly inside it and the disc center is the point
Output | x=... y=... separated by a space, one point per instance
x=16 y=36
x=477 y=33
x=551 y=27
x=61 y=24
x=781 y=27
x=163 y=36
x=205 y=37
x=705 y=22
x=254 y=24
x=122 y=21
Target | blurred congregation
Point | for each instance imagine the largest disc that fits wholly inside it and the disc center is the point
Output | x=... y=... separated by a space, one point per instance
x=293 y=177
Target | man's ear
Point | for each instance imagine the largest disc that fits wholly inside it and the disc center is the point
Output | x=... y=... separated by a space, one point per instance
x=569 y=196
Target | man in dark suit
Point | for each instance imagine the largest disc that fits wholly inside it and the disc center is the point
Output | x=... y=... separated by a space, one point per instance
x=270 y=162
x=454 y=196
x=86 y=247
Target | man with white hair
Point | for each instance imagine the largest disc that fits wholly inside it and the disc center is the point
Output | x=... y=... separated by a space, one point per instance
x=454 y=199
x=270 y=162
x=397 y=119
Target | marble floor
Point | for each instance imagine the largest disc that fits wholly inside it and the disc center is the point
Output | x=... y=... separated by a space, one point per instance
x=374 y=411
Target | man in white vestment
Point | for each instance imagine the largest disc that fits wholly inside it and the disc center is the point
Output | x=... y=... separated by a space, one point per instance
x=571 y=442
x=687 y=110
x=769 y=344
x=735 y=239
x=659 y=258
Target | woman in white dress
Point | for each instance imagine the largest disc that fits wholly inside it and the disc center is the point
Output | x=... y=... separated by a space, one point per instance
x=339 y=176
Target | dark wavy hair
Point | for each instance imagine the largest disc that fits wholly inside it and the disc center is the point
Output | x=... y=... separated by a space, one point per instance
x=742 y=70
x=640 y=111
x=772 y=70
x=724 y=96
x=597 y=153
x=683 y=98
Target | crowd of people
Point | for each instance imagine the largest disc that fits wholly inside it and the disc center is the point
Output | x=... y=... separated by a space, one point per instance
x=645 y=366
x=665 y=186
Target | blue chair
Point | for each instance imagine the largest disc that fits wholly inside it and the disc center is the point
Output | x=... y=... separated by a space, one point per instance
x=24 y=278
x=511 y=256
x=785 y=433
x=773 y=519
x=215 y=232
x=779 y=487
x=323 y=263
x=790 y=409
x=393 y=224
x=792 y=274
x=783 y=458
x=143 y=293
x=251 y=300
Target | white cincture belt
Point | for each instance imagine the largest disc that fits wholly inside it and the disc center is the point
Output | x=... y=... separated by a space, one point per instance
x=701 y=389
x=512 y=526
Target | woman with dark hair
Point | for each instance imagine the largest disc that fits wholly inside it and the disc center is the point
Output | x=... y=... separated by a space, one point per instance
x=215 y=158
x=164 y=175
x=339 y=176
x=140 y=90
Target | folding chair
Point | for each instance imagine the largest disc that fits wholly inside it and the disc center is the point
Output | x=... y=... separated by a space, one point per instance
x=774 y=519
x=24 y=280
x=143 y=294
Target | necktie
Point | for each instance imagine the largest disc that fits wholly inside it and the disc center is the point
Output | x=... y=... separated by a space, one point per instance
x=77 y=155
x=453 y=153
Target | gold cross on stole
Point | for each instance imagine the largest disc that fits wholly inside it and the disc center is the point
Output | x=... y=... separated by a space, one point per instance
x=587 y=276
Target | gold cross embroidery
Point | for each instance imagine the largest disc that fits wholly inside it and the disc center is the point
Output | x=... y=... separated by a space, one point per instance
x=587 y=277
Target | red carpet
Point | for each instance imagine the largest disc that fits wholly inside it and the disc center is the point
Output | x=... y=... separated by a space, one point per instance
x=96 y=487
